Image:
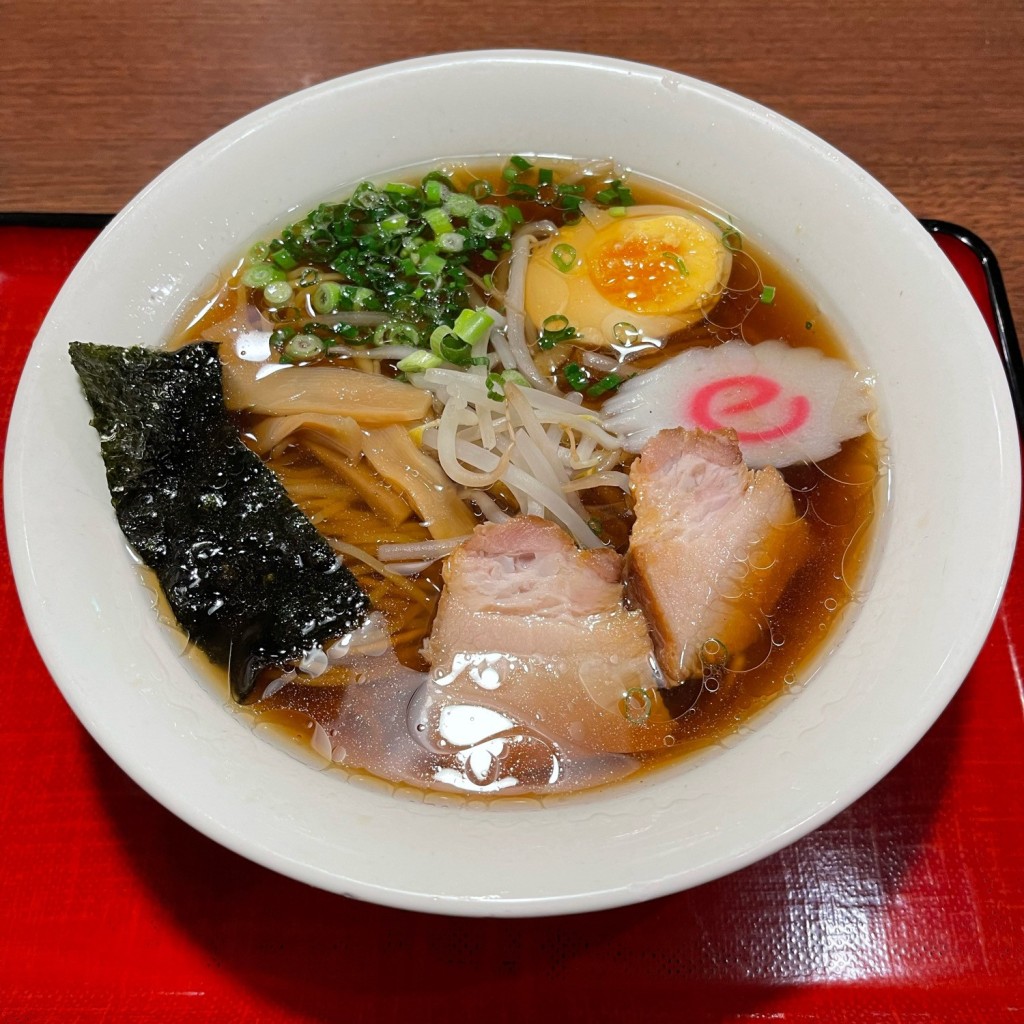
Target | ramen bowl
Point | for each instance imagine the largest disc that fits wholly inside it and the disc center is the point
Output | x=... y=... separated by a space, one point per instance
x=932 y=589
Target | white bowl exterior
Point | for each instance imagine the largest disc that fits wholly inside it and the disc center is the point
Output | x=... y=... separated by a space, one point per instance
x=947 y=539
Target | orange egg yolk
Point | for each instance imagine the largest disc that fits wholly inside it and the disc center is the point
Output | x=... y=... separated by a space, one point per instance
x=661 y=265
x=639 y=273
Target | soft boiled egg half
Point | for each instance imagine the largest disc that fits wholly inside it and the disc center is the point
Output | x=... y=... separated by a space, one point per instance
x=655 y=269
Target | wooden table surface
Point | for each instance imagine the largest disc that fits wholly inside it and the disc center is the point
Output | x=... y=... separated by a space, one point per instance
x=925 y=94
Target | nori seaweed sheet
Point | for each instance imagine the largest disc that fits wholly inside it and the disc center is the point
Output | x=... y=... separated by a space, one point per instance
x=247 y=575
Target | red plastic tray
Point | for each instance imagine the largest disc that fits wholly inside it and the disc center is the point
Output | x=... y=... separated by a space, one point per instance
x=909 y=906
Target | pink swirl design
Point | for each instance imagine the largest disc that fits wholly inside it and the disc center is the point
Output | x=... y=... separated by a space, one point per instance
x=754 y=393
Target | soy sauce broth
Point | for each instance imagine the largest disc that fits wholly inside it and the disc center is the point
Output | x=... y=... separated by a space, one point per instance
x=355 y=716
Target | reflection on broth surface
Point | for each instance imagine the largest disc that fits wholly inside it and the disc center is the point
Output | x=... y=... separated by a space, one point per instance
x=473 y=481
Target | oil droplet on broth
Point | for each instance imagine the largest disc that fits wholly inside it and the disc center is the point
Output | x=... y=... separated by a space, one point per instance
x=464 y=725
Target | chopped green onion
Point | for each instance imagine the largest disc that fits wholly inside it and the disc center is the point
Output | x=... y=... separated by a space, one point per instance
x=356 y=297
x=563 y=256
x=259 y=275
x=371 y=243
x=625 y=196
x=555 y=328
x=445 y=343
x=278 y=293
x=596 y=526
x=406 y=249
x=515 y=377
x=284 y=259
x=472 y=325
x=768 y=294
x=303 y=348
x=432 y=265
x=604 y=385
x=617 y=211
x=366 y=197
x=350 y=332
x=616 y=194
x=258 y=253
x=452 y=241
x=515 y=167
x=674 y=257
x=396 y=332
x=327 y=298
x=520 y=190
x=496 y=383
x=486 y=221
x=459 y=205
x=576 y=376
x=438 y=221
x=454 y=350
x=418 y=362
x=732 y=239
x=394 y=224
x=495 y=387
x=279 y=336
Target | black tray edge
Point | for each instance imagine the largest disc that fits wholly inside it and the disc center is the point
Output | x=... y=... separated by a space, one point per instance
x=1009 y=347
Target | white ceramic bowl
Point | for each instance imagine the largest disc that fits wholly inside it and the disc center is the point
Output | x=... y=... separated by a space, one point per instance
x=943 y=550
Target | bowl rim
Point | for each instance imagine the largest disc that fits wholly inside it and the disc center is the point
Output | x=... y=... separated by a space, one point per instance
x=999 y=423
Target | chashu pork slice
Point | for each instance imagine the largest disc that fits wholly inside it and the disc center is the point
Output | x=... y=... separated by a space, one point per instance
x=531 y=627
x=713 y=546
